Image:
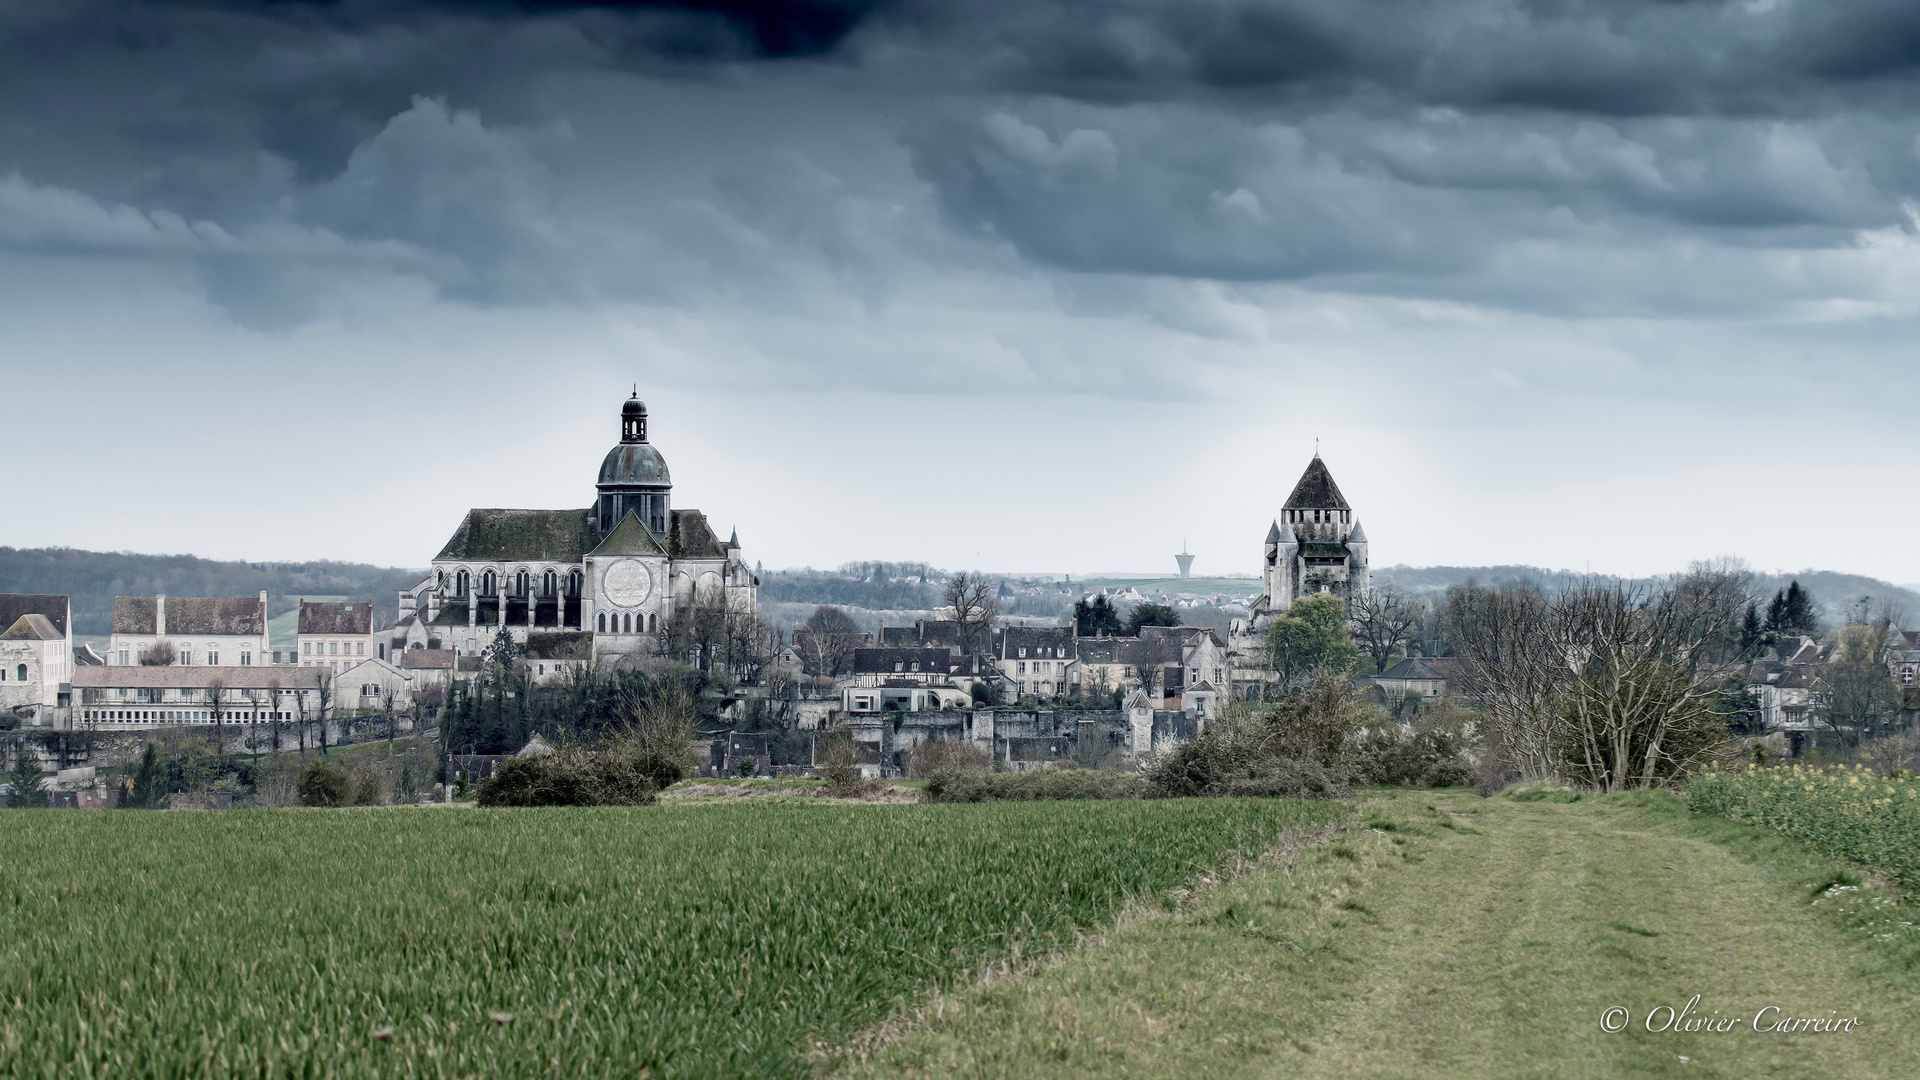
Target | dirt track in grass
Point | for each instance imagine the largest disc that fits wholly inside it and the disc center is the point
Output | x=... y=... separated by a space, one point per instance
x=1454 y=936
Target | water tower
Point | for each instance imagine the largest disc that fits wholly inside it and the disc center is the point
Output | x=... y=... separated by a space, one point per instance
x=1185 y=560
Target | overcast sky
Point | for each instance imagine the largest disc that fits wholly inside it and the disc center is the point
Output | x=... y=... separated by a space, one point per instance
x=1033 y=285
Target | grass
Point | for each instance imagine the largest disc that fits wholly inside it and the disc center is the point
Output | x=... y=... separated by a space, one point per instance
x=668 y=942
x=1447 y=936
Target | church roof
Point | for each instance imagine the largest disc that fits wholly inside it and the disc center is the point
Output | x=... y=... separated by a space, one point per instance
x=507 y=535
x=630 y=538
x=697 y=539
x=634 y=464
x=32 y=627
x=1316 y=490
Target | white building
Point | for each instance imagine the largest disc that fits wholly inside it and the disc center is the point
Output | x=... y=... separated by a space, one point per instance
x=335 y=636
x=36 y=654
x=373 y=686
x=619 y=570
x=132 y=697
x=202 y=631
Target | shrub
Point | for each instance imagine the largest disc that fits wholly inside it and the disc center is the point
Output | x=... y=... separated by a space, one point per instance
x=957 y=755
x=614 y=774
x=839 y=762
x=1303 y=744
x=324 y=784
x=1847 y=812
x=369 y=787
x=959 y=785
x=1430 y=751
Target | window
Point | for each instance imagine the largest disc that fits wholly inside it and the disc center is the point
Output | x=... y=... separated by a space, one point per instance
x=359 y=648
x=186 y=655
x=123 y=658
x=1023 y=651
x=1022 y=669
x=628 y=623
x=333 y=648
x=603 y=622
x=306 y=648
x=213 y=658
x=653 y=624
x=246 y=659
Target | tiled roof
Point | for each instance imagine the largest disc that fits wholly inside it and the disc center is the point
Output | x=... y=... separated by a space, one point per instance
x=1050 y=641
x=557 y=645
x=1316 y=490
x=322 y=617
x=228 y=616
x=33 y=627
x=430 y=659
x=53 y=605
x=697 y=539
x=520 y=535
x=173 y=676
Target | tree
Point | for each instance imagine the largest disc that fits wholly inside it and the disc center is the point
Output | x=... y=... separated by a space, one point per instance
x=1310 y=636
x=1791 y=612
x=975 y=606
x=1150 y=615
x=1149 y=663
x=387 y=693
x=1752 y=633
x=503 y=651
x=322 y=703
x=159 y=654
x=217 y=711
x=826 y=641
x=24 y=790
x=1096 y=617
x=1865 y=701
x=273 y=712
x=1383 y=621
x=149 y=781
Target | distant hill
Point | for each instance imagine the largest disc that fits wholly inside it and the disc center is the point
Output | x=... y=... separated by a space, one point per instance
x=1834 y=592
x=94 y=578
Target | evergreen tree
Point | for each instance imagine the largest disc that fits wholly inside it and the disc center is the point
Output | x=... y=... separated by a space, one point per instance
x=503 y=652
x=1096 y=617
x=149 y=782
x=1752 y=635
x=673 y=538
x=1150 y=615
x=1798 y=609
x=25 y=778
x=1777 y=613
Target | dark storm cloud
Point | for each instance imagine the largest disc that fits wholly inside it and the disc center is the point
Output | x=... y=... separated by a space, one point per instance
x=1448 y=149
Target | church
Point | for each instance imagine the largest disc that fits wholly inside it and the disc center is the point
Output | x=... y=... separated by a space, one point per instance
x=613 y=574
x=1315 y=545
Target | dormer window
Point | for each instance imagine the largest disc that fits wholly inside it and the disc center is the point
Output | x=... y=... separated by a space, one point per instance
x=1023 y=651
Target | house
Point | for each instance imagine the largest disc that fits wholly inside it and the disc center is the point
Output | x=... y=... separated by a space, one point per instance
x=336 y=636
x=36 y=654
x=133 y=697
x=1038 y=662
x=429 y=667
x=915 y=667
x=1416 y=677
x=550 y=656
x=1903 y=660
x=198 y=631
x=373 y=687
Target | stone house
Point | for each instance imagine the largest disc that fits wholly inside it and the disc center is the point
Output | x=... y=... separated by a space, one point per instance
x=204 y=631
x=336 y=636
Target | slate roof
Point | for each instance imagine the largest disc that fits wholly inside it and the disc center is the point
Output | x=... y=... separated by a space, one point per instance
x=53 y=605
x=1323 y=549
x=1316 y=490
x=429 y=659
x=327 y=617
x=630 y=537
x=229 y=616
x=556 y=644
x=520 y=535
x=1121 y=650
x=634 y=464
x=1051 y=642
x=697 y=539
x=173 y=676
x=1413 y=667
x=1178 y=635
x=32 y=627
x=881 y=661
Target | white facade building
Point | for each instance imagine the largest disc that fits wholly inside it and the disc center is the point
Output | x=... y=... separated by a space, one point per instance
x=335 y=636
x=203 y=631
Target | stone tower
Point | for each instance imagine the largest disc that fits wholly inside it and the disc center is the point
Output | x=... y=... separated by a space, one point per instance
x=1315 y=545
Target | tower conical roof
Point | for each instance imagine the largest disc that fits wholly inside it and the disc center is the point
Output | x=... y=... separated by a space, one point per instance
x=1273 y=532
x=1316 y=490
x=1358 y=535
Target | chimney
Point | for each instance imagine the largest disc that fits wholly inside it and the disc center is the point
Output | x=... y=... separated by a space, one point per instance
x=160 y=615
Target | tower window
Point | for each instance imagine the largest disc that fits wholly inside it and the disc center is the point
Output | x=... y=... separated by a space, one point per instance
x=603 y=622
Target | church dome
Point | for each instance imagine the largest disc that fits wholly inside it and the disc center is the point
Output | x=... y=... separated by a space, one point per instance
x=634 y=464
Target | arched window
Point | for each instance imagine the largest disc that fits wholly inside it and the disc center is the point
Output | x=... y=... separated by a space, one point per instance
x=520 y=584
x=627 y=620
x=460 y=584
x=573 y=585
x=23 y=673
x=603 y=622
x=486 y=584
x=653 y=624
x=547 y=581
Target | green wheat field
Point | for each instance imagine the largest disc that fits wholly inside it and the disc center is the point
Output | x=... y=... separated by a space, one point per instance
x=690 y=941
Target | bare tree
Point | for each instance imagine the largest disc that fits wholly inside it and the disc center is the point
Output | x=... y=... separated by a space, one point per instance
x=387 y=693
x=217 y=712
x=1864 y=701
x=826 y=641
x=1501 y=637
x=1384 y=619
x=975 y=605
x=159 y=654
x=273 y=711
x=322 y=703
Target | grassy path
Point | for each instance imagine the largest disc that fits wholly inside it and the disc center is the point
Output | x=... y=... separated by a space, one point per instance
x=1453 y=936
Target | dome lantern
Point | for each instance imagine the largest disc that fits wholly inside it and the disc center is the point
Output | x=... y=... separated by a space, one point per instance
x=633 y=419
